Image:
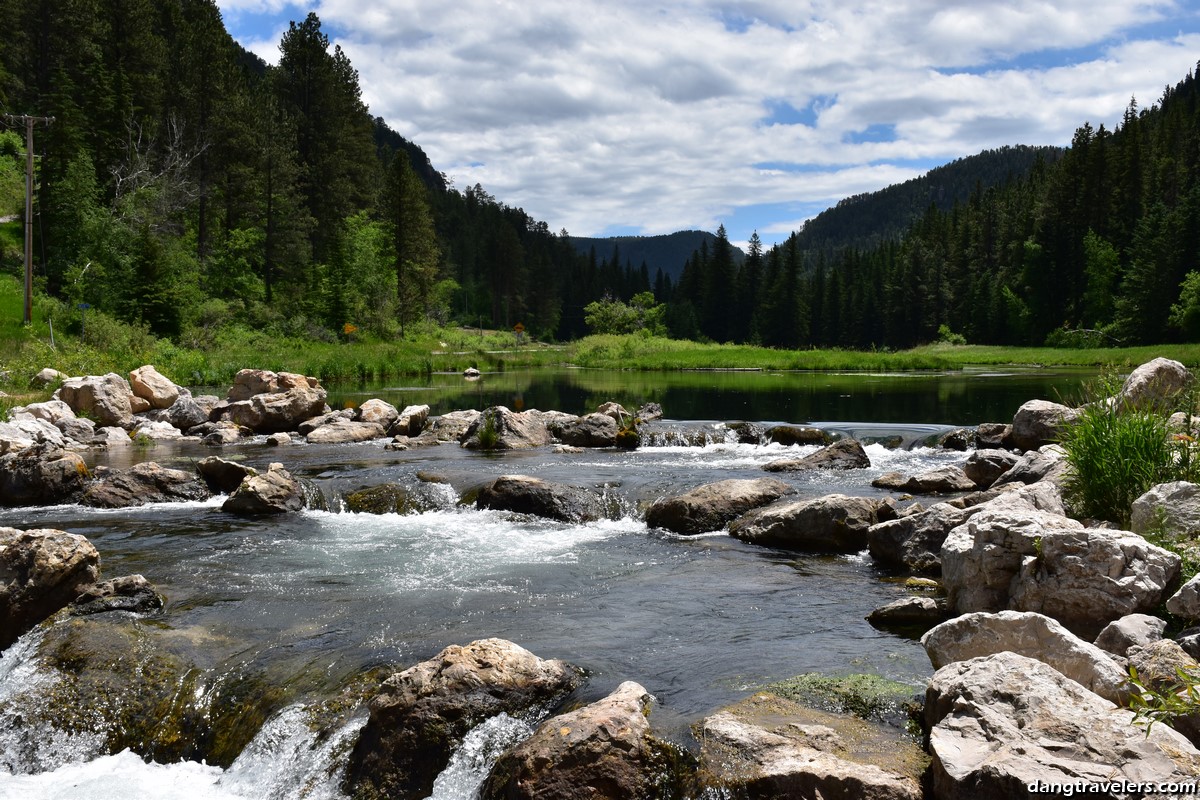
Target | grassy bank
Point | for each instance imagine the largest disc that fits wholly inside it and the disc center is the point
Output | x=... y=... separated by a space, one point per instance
x=60 y=338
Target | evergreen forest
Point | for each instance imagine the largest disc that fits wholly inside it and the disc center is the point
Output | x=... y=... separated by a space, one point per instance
x=187 y=187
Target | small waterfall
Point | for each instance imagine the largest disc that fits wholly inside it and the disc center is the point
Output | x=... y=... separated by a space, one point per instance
x=474 y=758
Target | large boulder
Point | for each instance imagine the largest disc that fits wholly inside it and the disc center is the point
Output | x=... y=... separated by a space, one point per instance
x=150 y=385
x=1088 y=578
x=1154 y=385
x=767 y=747
x=278 y=411
x=1186 y=602
x=22 y=430
x=712 y=506
x=51 y=411
x=392 y=498
x=41 y=571
x=1168 y=509
x=844 y=454
x=272 y=492
x=147 y=482
x=1131 y=630
x=345 y=432
x=185 y=413
x=1033 y=635
x=1040 y=422
x=603 y=750
x=993 y=436
x=250 y=382
x=498 y=428
x=834 y=523
x=914 y=542
x=223 y=476
x=14 y=439
x=103 y=398
x=41 y=474
x=526 y=495
x=78 y=430
x=410 y=421
x=590 y=430
x=907 y=613
x=984 y=467
x=1003 y=724
x=938 y=480
x=380 y=412
x=421 y=714
x=452 y=426
x=802 y=435
x=1048 y=464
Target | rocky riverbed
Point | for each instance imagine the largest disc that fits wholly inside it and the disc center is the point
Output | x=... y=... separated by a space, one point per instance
x=1031 y=618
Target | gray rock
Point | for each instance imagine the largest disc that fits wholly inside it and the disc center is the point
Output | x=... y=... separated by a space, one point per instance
x=789 y=435
x=41 y=474
x=41 y=571
x=141 y=484
x=421 y=714
x=345 y=432
x=914 y=611
x=278 y=411
x=914 y=542
x=934 y=481
x=1002 y=722
x=1131 y=630
x=13 y=439
x=185 y=413
x=273 y=492
x=993 y=436
x=223 y=476
x=606 y=745
x=791 y=761
x=1032 y=635
x=1040 y=422
x=451 y=427
x=311 y=424
x=1185 y=603
x=513 y=430
x=1169 y=509
x=47 y=377
x=985 y=467
x=132 y=593
x=834 y=523
x=1048 y=464
x=844 y=454
x=103 y=398
x=145 y=431
x=51 y=411
x=223 y=433
x=712 y=506
x=591 y=430
x=111 y=437
x=381 y=412
x=650 y=412
x=526 y=495
x=79 y=430
x=1153 y=385
x=411 y=421
x=959 y=439
x=279 y=439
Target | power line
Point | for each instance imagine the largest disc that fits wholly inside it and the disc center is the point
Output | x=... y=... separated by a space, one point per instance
x=28 y=121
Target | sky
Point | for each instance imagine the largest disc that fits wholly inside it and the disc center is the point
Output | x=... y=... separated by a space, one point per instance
x=628 y=117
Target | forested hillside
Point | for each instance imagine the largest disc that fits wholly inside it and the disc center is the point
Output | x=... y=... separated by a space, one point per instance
x=187 y=186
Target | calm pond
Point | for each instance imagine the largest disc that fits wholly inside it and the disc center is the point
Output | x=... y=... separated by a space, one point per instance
x=305 y=601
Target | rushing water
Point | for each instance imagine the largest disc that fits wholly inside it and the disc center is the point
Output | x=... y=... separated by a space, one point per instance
x=311 y=598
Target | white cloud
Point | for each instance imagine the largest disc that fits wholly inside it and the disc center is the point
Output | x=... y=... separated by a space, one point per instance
x=599 y=113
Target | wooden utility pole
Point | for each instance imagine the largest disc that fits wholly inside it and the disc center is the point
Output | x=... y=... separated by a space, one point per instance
x=28 y=121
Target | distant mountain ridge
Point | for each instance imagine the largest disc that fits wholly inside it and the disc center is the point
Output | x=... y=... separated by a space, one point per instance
x=668 y=252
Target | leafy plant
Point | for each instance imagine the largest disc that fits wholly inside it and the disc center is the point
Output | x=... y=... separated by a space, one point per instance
x=1153 y=704
x=489 y=435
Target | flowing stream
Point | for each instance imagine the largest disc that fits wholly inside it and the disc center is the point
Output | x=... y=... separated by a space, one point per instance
x=309 y=600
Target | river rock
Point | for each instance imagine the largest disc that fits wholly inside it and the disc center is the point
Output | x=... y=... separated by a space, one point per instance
x=13 y=439
x=834 y=523
x=41 y=571
x=981 y=557
x=1186 y=602
x=185 y=413
x=250 y=382
x=747 y=432
x=802 y=754
x=526 y=495
x=223 y=476
x=1088 y=578
x=590 y=430
x=1040 y=422
x=914 y=611
x=110 y=438
x=224 y=433
x=934 y=481
x=605 y=746
x=450 y=427
x=993 y=436
x=23 y=430
x=914 y=542
x=1034 y=635
x=321 y=420
x=78 y=430
x=103 y=398
x=959 y=439
x=150 y=385
x=392 y=498
x=346 y=431
x=51 y=411
x=273 y=492
x=712 y=506
x=421 y=714
x=1131 y=630
x=1153 y=385
x=278 y=411
x=1169 y=509
x=1047 y=464
x=138 y=405
x=146 y=431
x=132 y=593
x=844 y=454
x=144 y=483
x=410 y=422
x=788 y=435
x=381 y=412
x=513 y=430
x=984 y=467
x=1003 y=722
x=614 y=410
x=41 y=474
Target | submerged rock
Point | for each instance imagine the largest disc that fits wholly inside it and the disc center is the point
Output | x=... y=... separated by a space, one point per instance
x=41 y=474
x=41 y=571
x=788 y=435
x=526 y=495
x=592 y=430
x=711 y=506
x=845 y=454
x=144 y=483
x=834 y=523
x=392 y=498
x=421 y=714
x=128 y=593
x=603 y=750
x=273 y=492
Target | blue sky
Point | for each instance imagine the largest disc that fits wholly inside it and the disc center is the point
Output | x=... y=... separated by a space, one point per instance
x=616 y=117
